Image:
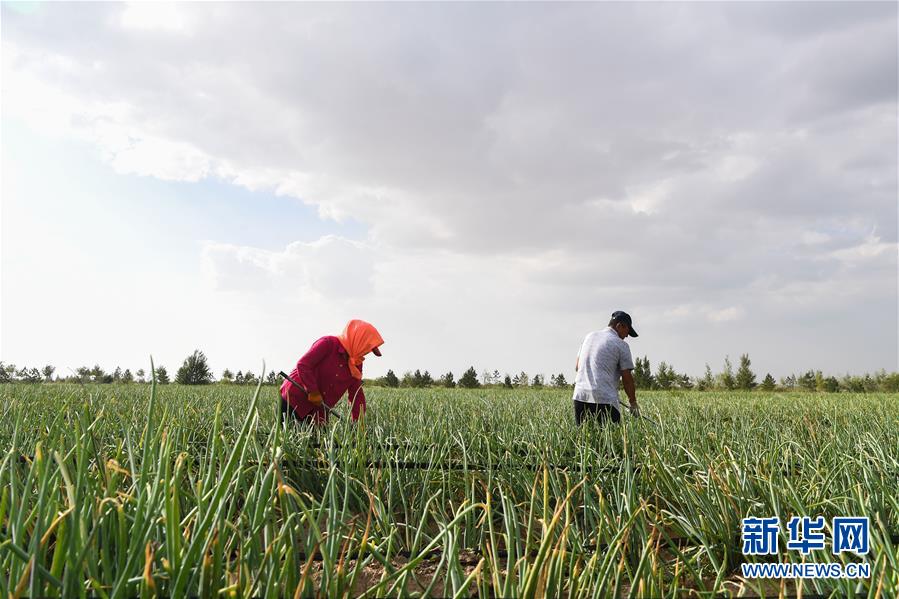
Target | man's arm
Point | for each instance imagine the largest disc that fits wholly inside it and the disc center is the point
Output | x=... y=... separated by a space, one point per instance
x=627 y=379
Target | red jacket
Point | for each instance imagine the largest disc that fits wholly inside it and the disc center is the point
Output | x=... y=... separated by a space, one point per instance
x=325 y=369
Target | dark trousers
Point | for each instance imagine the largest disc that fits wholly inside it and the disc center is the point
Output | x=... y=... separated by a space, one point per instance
x=598 y=411
x=287 y=412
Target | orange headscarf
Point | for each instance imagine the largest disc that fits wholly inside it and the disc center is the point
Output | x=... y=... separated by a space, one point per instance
x=359 y=338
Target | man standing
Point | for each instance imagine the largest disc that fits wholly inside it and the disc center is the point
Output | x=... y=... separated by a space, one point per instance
x=603 y=359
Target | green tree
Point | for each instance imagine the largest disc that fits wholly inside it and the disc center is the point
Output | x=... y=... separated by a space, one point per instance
x=665 y=376
x=162 y=375
x=98 y=375
x=469 y=379
x=30 y=375
x=807 y=381
x=426 y=379
x=768 y=383
x=390 y=380
x=830 y=384
x=195 y=370
x=745 y=378
x=643 y=378
x=507 y=382
x=819 y=381
x=127 y=377
x=853 y=384
x=707 y=381
x=140 y=375
x=227 y=376
x=890 y=383
x=727 y=375
x=560 y=380
x=447 y=380
x=410 y=379
x=271 y=378
x=238 y=378
x=48 y=373
x=84 y=374
x=117 y=374
x=538 y=381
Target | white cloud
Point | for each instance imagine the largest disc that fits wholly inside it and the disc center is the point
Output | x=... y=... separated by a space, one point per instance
x=726 y=314
x=151 y=16
x=535 y=160
x=331 y=269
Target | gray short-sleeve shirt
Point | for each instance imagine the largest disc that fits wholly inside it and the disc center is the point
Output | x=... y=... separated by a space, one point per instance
x=602 y=357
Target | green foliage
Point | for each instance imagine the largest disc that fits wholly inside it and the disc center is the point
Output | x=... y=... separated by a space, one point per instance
x=768 y=383
x=642 y=374
x=426 y=380
x=227 y=376
x=830 y=384
x=707 y=382
x=469 y=379
x=665 y=377
x=558 y=380
x=391 y=380
x=29 y=375
x=447 y=380
x=98 y=375
x=195 y=370
x=507 y=381
x=538 y=381
x=890 y=383
x=745 y=378
x=162 y=376
x=808 y=381
x=521 y=379
x=726 y=378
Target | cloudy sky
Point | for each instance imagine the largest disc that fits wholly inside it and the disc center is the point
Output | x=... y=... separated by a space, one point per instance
x=485 y=183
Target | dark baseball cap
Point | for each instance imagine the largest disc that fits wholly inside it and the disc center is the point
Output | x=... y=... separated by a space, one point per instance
x=624 y=317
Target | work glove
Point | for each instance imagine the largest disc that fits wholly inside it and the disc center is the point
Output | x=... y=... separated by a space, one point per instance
x=315 y=398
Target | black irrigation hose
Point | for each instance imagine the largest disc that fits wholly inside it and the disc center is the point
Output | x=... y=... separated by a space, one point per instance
x=323 y=464
x=679 y=542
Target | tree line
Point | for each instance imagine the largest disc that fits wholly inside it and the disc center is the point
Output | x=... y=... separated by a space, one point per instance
x=469 y=380
x=195 y=370
x=666 y=377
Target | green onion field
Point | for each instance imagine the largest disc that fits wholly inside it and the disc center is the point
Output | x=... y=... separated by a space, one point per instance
x=127 y=490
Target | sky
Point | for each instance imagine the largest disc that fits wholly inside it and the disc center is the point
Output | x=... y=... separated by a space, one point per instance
x=486 y=183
